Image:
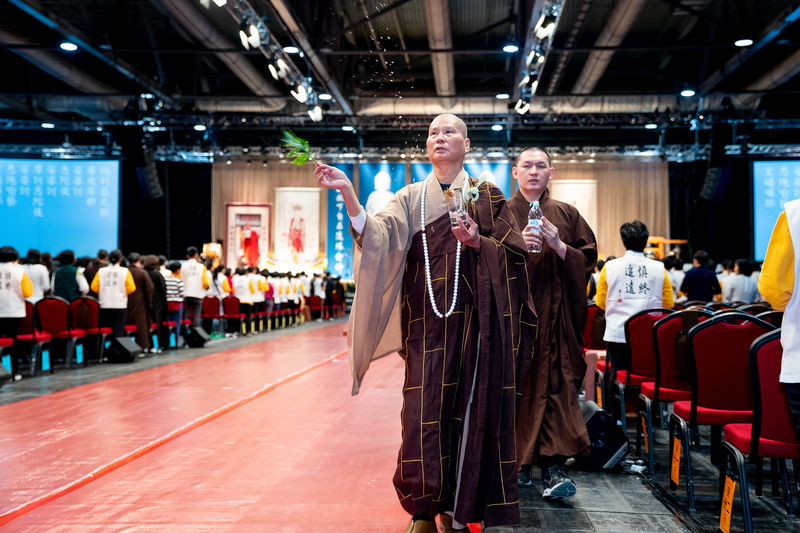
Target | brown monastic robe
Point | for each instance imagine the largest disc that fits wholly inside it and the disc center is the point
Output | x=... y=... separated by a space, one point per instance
x=487 y=341
x=140 y=306
x=549 y=420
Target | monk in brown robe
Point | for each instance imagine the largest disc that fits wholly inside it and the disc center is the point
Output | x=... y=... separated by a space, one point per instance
x=550 y=427
x=454 y=302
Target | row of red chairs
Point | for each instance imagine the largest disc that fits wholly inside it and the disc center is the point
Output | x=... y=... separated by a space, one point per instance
x=56 y=323
x=719 y=367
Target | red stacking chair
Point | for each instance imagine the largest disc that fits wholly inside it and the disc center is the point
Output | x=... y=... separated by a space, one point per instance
x=721 y=389
x=7 y=355
x=772 y=316
x=85 y=313
x=211 y=311
x=672 y=380
x=54 y=318
x=316 y=306
x=641 y=354
x=754 y=309
x=594 y=350
x=39 y=342
x=233 y=316
x=771 y=434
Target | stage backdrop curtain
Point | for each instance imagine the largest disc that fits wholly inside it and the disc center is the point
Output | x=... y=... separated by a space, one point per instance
x=255 y=183
x=626 y=191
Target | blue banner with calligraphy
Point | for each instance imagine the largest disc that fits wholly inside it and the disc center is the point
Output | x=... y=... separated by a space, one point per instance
x=339 y=242
x=500 y=171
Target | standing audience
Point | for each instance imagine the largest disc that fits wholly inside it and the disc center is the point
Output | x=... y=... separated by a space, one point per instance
x=67 y=282
x=38 y=274
x=15 y=286
x=627 y=285
x=778 y=283
x=700 y=284
x=151 y=267
x=113 y=284
x=140 y=302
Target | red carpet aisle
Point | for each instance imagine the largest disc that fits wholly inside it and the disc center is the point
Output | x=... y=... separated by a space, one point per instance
x=260 y=438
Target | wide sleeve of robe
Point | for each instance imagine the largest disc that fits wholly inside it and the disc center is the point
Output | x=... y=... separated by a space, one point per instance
x=374 y=328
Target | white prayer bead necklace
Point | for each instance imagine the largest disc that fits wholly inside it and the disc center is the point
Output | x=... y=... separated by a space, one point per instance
x=428 y=263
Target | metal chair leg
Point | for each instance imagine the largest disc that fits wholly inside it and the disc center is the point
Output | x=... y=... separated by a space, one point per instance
x=646 y=426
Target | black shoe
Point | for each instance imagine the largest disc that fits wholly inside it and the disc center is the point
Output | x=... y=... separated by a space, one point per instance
x=524 y=476
x=556 y=483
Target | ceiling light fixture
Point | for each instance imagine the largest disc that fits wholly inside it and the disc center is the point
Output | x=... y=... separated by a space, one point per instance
x=301 y=94
x=348 y=128
x=291 y=49
x=502 y=96
x=68 y=46
x=315 y=113
x=687 y=93
x=650 y=126
x=510 y=48
x=199 y=127
x=279 y=69
x=325 y=96
x=497 y=127
x=48 y=125
x=741 y=43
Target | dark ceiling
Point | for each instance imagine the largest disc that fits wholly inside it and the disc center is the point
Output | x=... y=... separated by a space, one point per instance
x=610 y=68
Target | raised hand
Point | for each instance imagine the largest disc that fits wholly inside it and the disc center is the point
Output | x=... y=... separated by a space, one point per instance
x=331 y=177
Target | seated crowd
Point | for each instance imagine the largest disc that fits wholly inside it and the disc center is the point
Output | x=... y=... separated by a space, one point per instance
x=158 y=302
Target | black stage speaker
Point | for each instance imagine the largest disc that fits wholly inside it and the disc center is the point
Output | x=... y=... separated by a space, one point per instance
x=196 y=338
x=123 y=350
x=609 y=442
x=5 y=376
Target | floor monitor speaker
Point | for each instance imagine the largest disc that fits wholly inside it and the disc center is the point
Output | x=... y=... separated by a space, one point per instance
x=123 y=350
x=609 y=442
x=197 y=337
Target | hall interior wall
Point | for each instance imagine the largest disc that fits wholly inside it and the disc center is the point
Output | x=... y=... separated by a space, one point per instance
x=196 y=195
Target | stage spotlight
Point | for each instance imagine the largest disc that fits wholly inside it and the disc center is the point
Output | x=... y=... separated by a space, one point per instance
x=315 y=113
x=301 y=94
x=279 y=70
x=522 y=107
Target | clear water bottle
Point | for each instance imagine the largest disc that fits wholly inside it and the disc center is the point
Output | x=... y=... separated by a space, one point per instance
x=535 y=221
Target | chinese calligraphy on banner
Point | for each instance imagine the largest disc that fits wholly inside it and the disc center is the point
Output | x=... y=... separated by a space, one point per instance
x=57 y=205
x=340 y=243
x=774 y=184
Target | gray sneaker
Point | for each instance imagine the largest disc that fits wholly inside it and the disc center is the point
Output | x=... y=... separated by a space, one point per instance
x=557 y=484
x=524 y=476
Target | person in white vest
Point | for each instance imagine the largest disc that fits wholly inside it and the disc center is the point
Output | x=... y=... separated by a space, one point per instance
x=112 y=285
x=778 y=284
x=195 y=283
x=627 y=285
x=244 y=290
x=15 y=286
